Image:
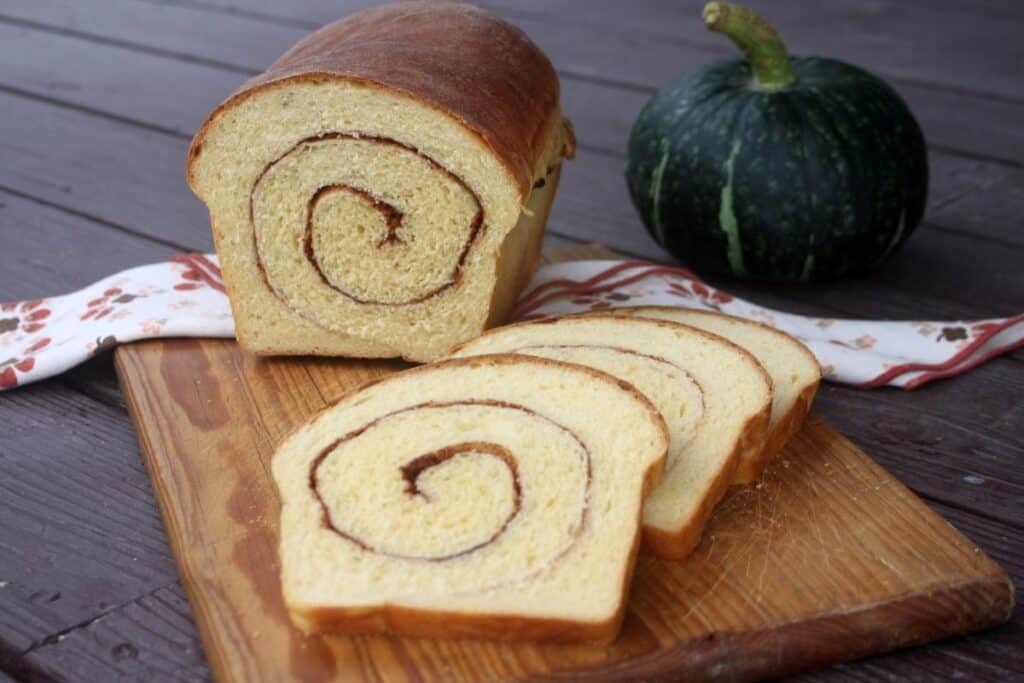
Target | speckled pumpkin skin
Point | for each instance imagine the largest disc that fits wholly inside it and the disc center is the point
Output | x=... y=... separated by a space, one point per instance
x=824 y=178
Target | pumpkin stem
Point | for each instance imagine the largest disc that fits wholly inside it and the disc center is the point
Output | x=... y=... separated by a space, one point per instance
x=758 y=40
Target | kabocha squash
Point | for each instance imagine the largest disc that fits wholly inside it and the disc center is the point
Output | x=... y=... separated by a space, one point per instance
x=777 y=168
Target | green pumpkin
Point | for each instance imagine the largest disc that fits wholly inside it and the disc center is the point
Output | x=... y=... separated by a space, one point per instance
x=775 y=168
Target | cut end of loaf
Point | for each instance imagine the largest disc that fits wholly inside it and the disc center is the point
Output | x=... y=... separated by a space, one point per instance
x=371 y=193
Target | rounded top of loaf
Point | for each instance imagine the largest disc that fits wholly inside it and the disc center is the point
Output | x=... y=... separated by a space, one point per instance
x=466 y=62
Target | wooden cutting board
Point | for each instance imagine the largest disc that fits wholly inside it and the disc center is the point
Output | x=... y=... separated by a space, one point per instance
x=829 y=559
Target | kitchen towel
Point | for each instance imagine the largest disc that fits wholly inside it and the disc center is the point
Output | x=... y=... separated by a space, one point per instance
x=185 y=297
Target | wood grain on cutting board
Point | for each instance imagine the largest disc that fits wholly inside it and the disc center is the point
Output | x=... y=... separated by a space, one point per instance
x=830 y=558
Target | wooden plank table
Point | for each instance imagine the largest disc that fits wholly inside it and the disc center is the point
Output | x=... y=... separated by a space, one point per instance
x=98 y=100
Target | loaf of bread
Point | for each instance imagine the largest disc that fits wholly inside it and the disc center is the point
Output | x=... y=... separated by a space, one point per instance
x=381 y=190
x=714 y=396
x=476 y=497
x=794 y=370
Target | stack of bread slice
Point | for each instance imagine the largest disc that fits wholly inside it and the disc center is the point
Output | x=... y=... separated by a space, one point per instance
x=794 y=371
x=503 y=492
x=709 y=436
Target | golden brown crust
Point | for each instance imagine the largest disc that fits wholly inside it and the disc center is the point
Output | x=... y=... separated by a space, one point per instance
x=521 y=251
x=677 y=545
x=394 y=619
x=789 y=424
x=426 y=50
x=750 y=461
x=407 y=621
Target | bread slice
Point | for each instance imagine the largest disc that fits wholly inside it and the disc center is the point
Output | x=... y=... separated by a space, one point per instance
x=382 y=189
x=794 y=370
x=714 y=396
x=469 y=498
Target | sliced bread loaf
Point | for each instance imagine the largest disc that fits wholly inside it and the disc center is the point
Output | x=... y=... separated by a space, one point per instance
x=714 y=396
x=474 y=497
x=381 y=190
x=794 y=370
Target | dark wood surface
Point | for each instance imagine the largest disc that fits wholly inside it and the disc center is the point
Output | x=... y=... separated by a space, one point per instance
x=97 y=103
x=828 y=559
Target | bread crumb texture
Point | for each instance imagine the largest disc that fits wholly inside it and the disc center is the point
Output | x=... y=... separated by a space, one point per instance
x=472 y=488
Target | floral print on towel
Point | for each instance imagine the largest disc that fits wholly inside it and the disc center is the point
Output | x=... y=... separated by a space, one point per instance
x=185 y=298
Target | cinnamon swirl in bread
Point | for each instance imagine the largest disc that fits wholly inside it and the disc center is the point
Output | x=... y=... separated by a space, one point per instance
x=381 y=190
x=714 y=396
x=472 y=497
